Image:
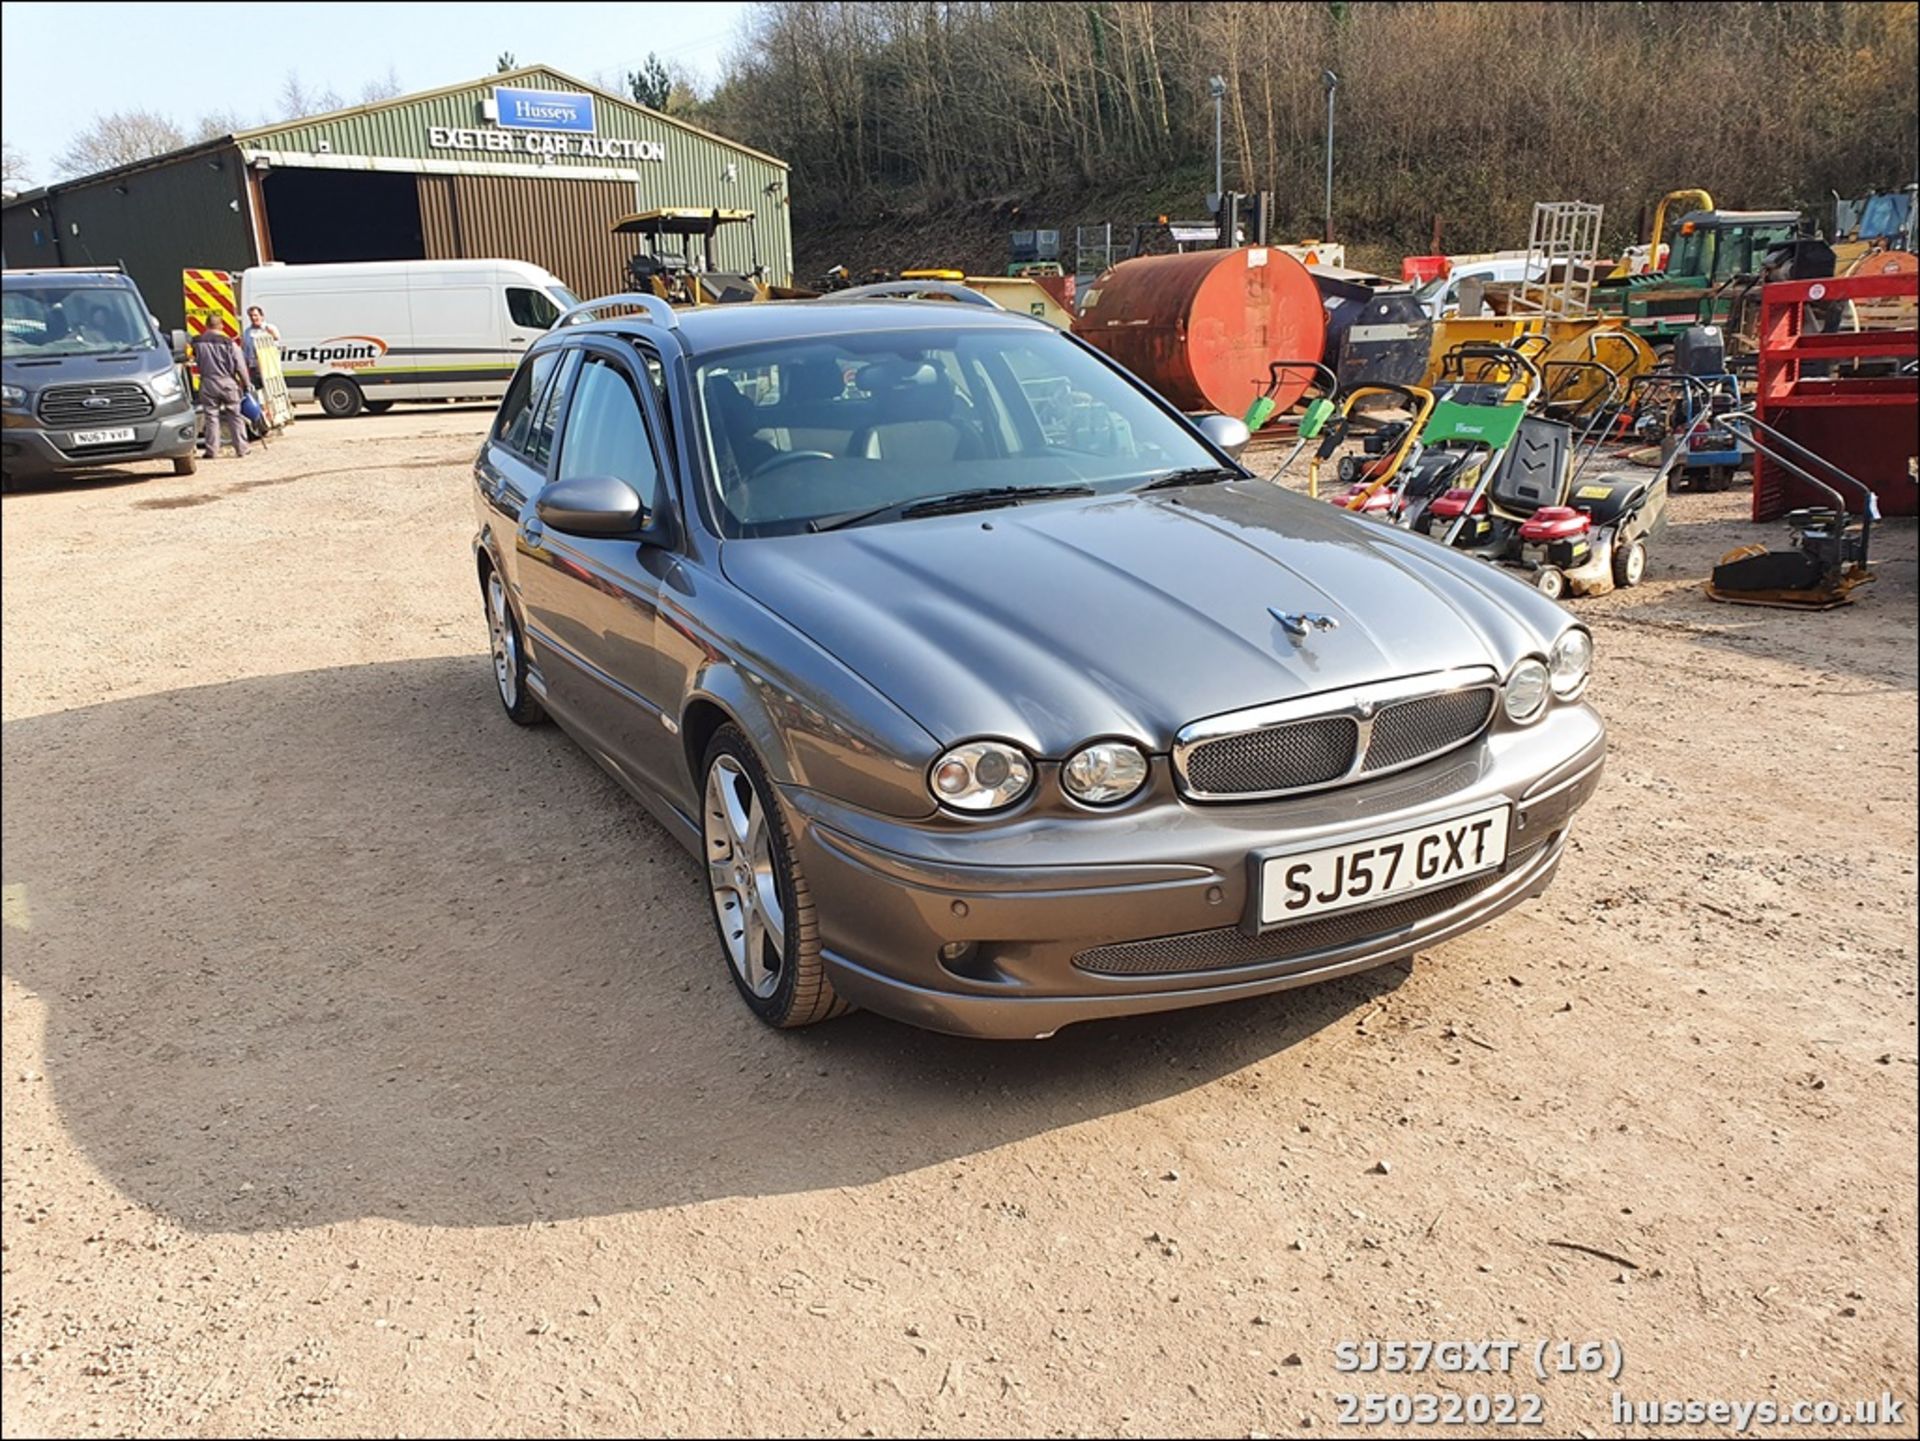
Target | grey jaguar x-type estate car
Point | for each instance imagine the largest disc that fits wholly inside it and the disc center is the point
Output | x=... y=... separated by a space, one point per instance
x=992 y=694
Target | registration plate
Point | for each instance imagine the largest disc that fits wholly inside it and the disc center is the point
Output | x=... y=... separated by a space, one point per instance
x=1311 y=883
x=117 y=436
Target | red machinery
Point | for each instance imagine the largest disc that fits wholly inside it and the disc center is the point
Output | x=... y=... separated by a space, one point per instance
x=1865 y=423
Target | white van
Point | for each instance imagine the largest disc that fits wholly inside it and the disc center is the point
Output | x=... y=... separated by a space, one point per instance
x=1441 y=297
x=360 y=336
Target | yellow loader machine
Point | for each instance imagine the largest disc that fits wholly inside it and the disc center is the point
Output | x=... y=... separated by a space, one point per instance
x=679 y=274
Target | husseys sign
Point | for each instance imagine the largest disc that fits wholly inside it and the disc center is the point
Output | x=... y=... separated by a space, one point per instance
x=544 y=123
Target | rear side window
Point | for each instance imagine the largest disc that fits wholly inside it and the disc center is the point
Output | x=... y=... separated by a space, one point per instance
x=530 y=309
x=516 y=411
x=540 y=435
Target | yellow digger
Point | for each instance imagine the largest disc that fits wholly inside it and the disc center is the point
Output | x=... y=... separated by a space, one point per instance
x=680 y=276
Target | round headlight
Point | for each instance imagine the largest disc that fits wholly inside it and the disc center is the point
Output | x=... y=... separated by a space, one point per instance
x=1104 y=772
x=980 y=776
x=1572 y=661
x=1525 y=696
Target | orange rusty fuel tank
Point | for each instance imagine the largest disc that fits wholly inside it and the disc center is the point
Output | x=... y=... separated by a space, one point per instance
x=1202 y=328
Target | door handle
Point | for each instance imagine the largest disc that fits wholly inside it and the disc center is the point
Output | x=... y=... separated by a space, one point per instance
x=516 y=340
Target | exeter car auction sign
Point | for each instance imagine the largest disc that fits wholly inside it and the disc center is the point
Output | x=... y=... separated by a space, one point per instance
x=544 y=123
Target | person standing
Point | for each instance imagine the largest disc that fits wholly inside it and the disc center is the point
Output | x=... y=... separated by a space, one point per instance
x=258 y=329
x=223 y=371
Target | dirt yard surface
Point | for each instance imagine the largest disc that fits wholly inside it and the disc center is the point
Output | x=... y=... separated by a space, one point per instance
x=371 y=1066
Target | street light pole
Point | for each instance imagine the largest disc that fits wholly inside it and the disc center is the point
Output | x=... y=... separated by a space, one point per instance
x=1217 y=88
x=1332 y=82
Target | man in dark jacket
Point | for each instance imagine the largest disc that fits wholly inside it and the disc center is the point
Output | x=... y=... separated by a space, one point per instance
x=223 y=378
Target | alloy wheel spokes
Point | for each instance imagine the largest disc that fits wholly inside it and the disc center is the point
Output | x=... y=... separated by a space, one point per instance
x=741 y=876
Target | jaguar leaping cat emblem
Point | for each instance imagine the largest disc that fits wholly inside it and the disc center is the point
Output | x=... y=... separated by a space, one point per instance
x=1298 y=623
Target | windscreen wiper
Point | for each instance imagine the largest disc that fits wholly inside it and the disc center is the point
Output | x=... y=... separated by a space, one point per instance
x=1193 y=475
x=983 y=497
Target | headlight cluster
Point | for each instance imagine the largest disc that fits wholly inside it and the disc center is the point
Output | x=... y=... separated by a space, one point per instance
x=166 y=385
x=1533 y=683
x=982 y=776
x=12 y=395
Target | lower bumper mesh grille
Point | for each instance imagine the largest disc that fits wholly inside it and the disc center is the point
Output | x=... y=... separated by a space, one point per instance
x=1227 y=947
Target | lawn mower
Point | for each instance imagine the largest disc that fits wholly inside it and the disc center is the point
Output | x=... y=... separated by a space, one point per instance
x=1830 y=555
x=1690 y=400
x=1319 y=408
x=1514 y=496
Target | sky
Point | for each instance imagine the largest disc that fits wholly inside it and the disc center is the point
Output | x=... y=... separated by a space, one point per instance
x=60 y=64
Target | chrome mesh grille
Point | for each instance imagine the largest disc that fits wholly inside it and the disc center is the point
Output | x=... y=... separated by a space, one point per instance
x=1413 y=729
x=1229 y=946
x=1310 y=753
x=1347 y=739
x=66 y=405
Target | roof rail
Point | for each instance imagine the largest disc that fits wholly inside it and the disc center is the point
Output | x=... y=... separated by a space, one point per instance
x=915 y=290
x=658 y=311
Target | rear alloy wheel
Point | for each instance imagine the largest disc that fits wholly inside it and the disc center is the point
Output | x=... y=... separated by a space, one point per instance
x=761 y=904
x=1630 y=564
x=509 y=655
x=1550 y=581
x=340 y=398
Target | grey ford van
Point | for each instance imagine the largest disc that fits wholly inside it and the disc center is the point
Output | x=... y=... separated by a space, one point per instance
x=89 y=378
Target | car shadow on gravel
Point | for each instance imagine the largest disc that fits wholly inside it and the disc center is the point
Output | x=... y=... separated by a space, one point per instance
x=345 y=943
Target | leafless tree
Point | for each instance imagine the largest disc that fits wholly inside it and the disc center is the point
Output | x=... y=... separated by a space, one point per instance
x=119 y=139
x=297 y=102
x=13 y=167
x=384 y=88
x=929 y=103
x=220 y=122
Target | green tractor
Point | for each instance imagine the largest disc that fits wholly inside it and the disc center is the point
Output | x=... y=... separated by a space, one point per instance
x=1716 y=262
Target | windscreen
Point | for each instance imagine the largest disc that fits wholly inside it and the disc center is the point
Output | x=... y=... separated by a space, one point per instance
x=803 y=430
x=55 y=319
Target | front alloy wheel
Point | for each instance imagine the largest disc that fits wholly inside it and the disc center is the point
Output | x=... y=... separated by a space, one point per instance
x=761 y=904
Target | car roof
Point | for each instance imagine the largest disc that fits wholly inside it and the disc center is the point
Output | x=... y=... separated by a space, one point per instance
x=76 y=278
x=719 y=327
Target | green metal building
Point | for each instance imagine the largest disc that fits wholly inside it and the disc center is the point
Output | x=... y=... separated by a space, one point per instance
x=526 y=165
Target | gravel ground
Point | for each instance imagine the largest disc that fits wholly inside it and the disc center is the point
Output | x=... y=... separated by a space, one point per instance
x=371 y=1067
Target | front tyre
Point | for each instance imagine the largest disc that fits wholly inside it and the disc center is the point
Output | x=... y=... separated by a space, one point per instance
x=761 y=905
x=509 y=651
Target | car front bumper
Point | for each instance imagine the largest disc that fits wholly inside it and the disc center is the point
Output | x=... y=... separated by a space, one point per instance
x=1147 y=908
x=28 y=449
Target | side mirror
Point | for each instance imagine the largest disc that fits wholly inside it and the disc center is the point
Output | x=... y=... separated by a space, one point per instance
x=178 y=340
x=1226 y=432
x=591 y=505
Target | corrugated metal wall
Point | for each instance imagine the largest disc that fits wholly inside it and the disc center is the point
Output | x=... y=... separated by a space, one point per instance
x=559 y=224
x=695 y=171
x=190 y=212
